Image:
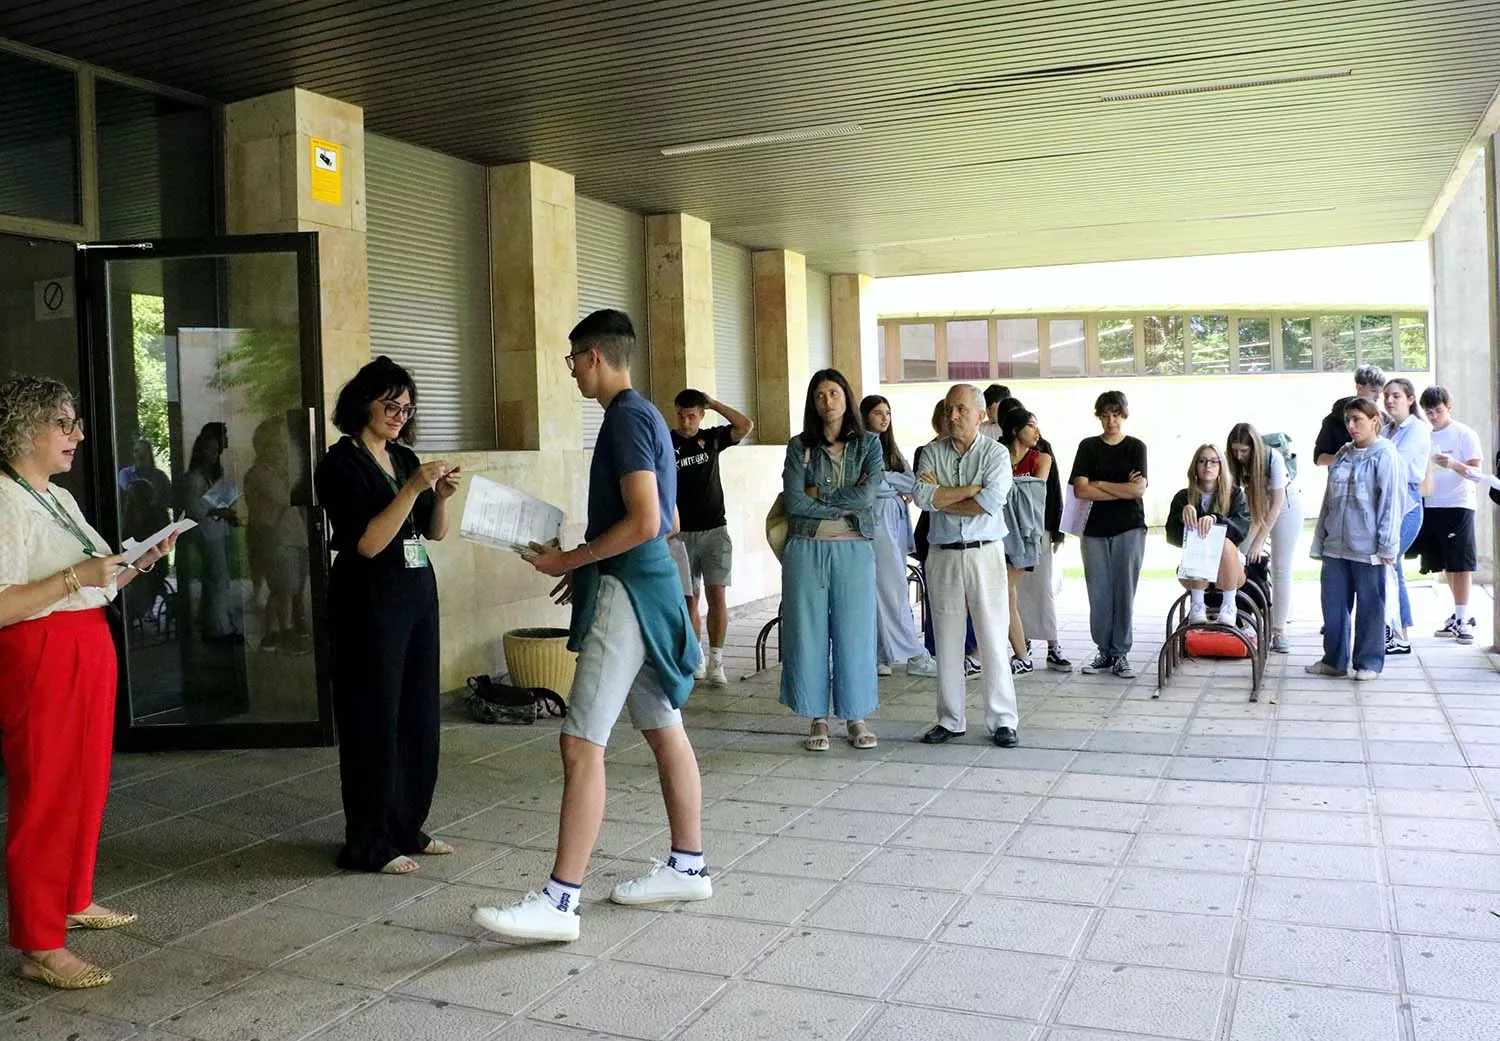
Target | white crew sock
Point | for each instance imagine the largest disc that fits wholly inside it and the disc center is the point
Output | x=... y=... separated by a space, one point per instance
x=1461 y=612
x=562 y=895
x=687 y=863
x=1227 y=614
x=1197 y=595
x=715 y=657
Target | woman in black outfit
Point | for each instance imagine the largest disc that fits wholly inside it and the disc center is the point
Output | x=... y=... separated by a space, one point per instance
x=383 y=607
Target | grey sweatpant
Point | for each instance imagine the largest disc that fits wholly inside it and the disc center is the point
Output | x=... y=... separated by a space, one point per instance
x=1111 y=569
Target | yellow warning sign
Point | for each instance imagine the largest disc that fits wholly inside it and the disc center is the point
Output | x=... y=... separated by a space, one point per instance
x=327 y=172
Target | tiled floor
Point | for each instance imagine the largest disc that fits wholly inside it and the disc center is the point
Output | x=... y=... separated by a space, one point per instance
x=1321 y=866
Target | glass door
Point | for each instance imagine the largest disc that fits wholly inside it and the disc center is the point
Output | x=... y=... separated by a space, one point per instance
x=202 y=371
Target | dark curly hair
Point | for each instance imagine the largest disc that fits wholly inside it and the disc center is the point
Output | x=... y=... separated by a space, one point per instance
x=381 y=378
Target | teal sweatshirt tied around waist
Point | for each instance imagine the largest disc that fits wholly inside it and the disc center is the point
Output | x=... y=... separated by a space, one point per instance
x=654 y=586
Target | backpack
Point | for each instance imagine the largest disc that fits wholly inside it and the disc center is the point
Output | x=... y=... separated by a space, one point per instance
x=1283 y=443
x=492 y=702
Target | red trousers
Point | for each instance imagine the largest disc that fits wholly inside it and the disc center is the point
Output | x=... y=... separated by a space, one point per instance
x=57 y=707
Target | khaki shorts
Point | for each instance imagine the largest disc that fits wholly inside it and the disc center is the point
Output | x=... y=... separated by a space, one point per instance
x=710 y=555
x=613 y=674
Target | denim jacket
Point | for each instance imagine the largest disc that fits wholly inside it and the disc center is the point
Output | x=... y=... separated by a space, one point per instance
x=1362 y=506
x=864 y=466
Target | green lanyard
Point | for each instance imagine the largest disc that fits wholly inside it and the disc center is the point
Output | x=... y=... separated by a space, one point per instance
x=55 y=511
x=395 y=484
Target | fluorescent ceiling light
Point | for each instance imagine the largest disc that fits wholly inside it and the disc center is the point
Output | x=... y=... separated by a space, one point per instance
x=1209 y=88
x=778 y=137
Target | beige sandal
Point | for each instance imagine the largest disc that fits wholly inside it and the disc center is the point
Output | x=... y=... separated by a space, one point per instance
x=86 y=978
x=860 y=734
x=402 y=865
x=817 y=736
x=112 y=920
x=438 y=848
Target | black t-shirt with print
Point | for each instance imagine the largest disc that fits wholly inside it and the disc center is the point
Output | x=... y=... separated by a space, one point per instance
x=1098 y=461
x=700 y=494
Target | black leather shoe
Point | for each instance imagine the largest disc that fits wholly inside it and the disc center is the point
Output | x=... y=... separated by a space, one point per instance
x=938 y=734
x=1006 y=737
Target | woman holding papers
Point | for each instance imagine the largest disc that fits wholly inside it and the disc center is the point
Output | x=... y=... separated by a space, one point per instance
x=1211 y=498
x=57 y=682
x=383 y=618
x=1357 y=536
x=208 y=497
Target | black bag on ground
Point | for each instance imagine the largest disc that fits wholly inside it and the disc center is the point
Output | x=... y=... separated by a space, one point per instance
x=491 y=702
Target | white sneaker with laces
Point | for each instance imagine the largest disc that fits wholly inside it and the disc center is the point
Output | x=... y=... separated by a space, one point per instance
x=534 y=918
x=716 y=677
x=663 y=884
x=1228 y=615
x=1198 y=615
x=702 y=669
x=922 y=665
x=1450 y=628
x=882 y=669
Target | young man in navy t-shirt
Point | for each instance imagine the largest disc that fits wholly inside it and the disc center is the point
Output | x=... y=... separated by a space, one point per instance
x=634 y=643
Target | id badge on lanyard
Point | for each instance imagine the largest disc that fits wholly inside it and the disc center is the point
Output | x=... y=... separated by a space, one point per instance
x=414 y=551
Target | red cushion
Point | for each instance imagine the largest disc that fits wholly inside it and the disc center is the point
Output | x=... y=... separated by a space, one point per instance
x=1205 y=643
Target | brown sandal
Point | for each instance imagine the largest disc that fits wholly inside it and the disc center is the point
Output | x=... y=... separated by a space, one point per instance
x=860 y=735
x=817 y=736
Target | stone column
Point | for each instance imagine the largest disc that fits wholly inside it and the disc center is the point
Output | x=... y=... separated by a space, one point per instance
x=780 y=278
x=854 y=328
x=679 y=305
x=534 y=289
x=268 y=175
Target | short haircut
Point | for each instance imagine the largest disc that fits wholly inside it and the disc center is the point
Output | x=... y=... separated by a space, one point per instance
x=27 y=405
x=1434 y=396
x=610 y=333
x=1363 y=406
x=690 y=398
x=381 y=378
x=995 y=393
x=812 y=422
x=1112 y=400
x=1369 y=376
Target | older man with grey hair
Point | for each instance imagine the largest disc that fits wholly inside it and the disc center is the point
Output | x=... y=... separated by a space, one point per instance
x=1369 y=382
x=964 y=482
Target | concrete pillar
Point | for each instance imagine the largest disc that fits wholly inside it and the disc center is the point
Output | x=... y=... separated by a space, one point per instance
x=855 y=330
x=534 y=289
x=780 y=282
x=679 y=305
x=269 y=188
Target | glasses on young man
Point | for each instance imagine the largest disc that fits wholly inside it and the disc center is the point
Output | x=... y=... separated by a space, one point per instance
x=392 y=410
x=68 y=424
x=572 y=359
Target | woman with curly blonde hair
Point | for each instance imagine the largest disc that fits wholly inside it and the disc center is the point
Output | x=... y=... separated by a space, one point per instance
x=57 y=703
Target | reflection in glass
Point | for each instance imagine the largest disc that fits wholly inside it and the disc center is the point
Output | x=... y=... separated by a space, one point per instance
x=1116 y=346
x=207 y=385
x=1164 y=350
x=1297 y=344
x=1209 y=338
x=1254 y=352
x=1065 y=347
x=1020 y=357
x=968 y=350
x=1377 y=340
x=1336 y=340
x=155 y=163
x=919 y=352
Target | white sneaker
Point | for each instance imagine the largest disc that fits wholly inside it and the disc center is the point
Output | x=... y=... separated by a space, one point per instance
x=1198 y=615
x=922 y=665
x=881 y=669
x=1228 y=615
x=702 y=669
x=661 y=885
x=716 y=677
x=534 y=918
x=1366 y=674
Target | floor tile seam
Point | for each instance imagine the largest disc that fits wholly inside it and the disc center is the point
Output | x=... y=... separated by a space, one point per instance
x=724 y=986
x=353 y=925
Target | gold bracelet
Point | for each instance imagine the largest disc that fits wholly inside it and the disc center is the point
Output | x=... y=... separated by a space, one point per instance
x=70 y=579
x=590 y=551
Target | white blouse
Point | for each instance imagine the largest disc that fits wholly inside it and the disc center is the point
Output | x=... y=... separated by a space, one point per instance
x=34 y=546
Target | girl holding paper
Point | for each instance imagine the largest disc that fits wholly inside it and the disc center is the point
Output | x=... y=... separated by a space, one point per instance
x=1211 y=498
x=384 y=505
x=57 y=683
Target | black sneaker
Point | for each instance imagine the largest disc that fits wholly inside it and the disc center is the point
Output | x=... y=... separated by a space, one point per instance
x=1057 y=663
x=1465 y=633
x=1020 y=666
x=1394 y=644
x=1122 y=669
x=1101 y=664
x=971 y=666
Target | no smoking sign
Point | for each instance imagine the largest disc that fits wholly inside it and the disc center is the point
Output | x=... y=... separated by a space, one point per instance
x=53 y=298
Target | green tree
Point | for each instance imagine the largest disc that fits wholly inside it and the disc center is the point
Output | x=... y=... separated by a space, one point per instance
x=149 y=347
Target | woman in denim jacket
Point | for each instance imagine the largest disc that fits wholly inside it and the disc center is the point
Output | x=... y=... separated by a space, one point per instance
x=1357 y=537
x=829 y=483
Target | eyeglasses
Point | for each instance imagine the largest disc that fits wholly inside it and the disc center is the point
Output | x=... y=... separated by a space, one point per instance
x=392 y=410
x=68 y=424
x=572 y=359
x=1209 y=460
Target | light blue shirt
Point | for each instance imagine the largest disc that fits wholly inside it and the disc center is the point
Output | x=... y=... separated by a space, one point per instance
x=1413 y=441
x=987 y=464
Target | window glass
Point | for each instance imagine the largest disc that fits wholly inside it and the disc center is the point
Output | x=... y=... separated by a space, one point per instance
x=1116 y=346
x=1065 y=347
x=1255 y=344
x=1209 y=336
x=918 y=351
x=887 y=349
x=1377 y=340
x=38 y=140
x=1297 y=344
x=1336 y=340
x=1019 y=356
x=156 y=165
x=1164 y=352
x=969 y=350
x=1413 y=341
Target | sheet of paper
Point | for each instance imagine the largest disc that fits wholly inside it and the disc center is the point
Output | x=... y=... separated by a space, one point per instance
x=134 y=550
x=1201 y=555
x=505 y=518
x=222 y=494
x=1075 y=512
